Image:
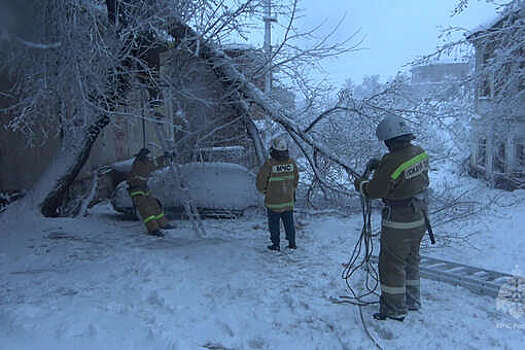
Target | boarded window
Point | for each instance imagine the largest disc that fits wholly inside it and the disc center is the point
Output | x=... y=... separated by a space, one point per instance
x=482 y=152
x=499 y=158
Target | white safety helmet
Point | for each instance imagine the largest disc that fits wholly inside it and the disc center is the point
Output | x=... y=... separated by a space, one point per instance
x=392 y=126
x=279 y=144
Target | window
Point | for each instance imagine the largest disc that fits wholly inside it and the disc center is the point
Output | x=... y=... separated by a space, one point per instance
x=520 y=156
x=486 y=55
x=499 y=159
x=484 y=89
x=482 y=152
x=521 y=86
x=501 y=79
x=485 y=84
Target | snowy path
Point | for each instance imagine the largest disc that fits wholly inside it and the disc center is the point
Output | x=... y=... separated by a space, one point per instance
x=98 y=283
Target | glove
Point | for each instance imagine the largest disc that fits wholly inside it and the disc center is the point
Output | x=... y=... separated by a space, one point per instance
x=143 y=153
x=357 y=183
x=373 y=164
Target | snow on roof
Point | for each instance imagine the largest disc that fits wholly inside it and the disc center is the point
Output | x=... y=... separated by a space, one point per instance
x=488 y=24
x=496 y=20
x=461 y=61
x=221 y=148
x=237 y=46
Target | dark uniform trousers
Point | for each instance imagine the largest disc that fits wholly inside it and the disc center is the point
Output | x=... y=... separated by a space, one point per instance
x=274 y=219
x=402 y=231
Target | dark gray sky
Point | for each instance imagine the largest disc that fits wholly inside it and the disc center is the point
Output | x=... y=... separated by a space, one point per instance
x=395 y=31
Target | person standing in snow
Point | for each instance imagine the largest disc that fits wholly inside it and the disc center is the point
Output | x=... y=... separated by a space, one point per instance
x=400 y=179
x=147 y=206
x=277 y=180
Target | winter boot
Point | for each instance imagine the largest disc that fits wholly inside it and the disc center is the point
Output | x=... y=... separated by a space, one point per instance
x=381 y=317
x=168 y=227
x=274 y=247
x=292 y=246
x=157 y=233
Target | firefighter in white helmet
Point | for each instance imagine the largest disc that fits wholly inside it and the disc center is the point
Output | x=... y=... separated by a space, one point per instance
x=277 y=180
x=400 y=179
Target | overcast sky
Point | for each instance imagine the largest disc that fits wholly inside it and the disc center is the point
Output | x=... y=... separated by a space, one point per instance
x=395 y=31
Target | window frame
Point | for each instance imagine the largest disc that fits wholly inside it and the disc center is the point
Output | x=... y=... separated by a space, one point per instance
x=481 y=152
x=499 y=161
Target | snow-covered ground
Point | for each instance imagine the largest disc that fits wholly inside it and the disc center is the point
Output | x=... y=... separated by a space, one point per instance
x=99 y=283
x=496 y=235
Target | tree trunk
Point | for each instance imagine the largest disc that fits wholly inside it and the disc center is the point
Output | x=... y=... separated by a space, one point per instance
x=243 y=109
x=260 y=150
x=55 y=198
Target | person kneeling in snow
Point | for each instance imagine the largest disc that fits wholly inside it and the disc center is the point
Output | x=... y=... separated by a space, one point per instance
x=148 y=207
x=277 y=180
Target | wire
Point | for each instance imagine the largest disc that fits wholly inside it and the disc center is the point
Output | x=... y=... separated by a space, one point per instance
x=366 y=330
x=364 y=248
x=143 y=132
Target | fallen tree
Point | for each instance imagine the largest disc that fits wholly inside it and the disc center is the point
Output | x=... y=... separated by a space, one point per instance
x=101 y=53
x=55 y=198
x=137 y=49
x=225 y=69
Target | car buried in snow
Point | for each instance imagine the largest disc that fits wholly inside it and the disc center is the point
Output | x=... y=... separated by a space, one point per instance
x=216 y=189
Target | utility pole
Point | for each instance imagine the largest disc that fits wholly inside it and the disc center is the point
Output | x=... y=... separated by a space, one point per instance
x=268 y=19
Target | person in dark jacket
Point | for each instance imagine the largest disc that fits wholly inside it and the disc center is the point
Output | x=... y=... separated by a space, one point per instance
x=400 y=180
x=277 y=180
x=147 y=206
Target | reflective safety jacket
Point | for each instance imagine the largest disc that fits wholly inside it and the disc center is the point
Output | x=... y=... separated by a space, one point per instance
x=401 y=174
x=141 y=170
x=278 y=180
x=400 y=178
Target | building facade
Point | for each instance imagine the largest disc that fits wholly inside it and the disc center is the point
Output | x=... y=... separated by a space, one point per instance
x=433 y=78
x=498 y=148
x=206 y=124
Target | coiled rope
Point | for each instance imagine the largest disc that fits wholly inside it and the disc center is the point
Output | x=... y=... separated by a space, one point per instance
x=363 y=250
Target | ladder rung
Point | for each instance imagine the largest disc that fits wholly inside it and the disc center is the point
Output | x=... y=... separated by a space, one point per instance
x=456 y=269
x=493 y=276
x=475 y=279
x=501 y=279
x=480 y=272
x=433 y=266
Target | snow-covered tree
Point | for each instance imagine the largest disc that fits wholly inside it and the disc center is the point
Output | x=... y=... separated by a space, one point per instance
x=499 y=91
x=79 y=62
x=500 y=72
x=75 y=64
